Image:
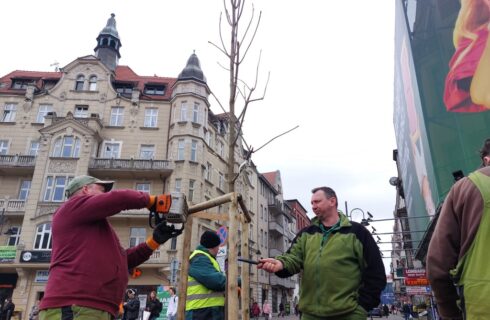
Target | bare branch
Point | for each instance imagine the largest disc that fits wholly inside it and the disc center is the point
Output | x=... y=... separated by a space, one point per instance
x=275 y=138
x=253 y=36
x=217 y=100
x=222 y=51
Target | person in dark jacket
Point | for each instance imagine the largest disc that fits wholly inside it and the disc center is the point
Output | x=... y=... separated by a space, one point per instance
x=206 y=283
x=343 y=273
x=131 y=306
x=8 y=309
x=153 y=305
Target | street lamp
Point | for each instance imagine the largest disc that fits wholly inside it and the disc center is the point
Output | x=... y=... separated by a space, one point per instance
x=364 y=221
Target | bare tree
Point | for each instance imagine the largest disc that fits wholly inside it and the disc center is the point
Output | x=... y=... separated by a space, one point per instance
x=240 y=91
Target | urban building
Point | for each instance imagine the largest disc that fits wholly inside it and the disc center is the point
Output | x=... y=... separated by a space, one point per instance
x=282 y=230
x=149 y=133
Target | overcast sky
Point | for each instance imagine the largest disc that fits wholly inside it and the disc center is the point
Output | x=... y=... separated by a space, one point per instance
x=331 y=73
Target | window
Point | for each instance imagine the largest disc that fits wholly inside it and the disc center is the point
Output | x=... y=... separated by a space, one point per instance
x=43 y=111
x=55 y=188
x=178 y=185
x=261 y=212
x=194 y=150
x=33 y=148
x=81 y=112
x=147 y=151
x=190 y=196
x=221 y=181
x=221 y=148
x=155 y=89
x=183 y=112
x=124 y=88
x=4 y=147
x=207 y=138
x=143 y=186
x=25 y=187
x=151 y=117
x=265 y=239
x=173 y=244
x=136 y=236
x=251 y=204
x=79 y=83
x=180 y=149
x=9 y=110
x=14 y=237
x=43 y=237
x=21 y=83
x=116 y=116
x=196 y=117
x=92 y=83
x=67 y=147
x=208 y=171
x=111 y=150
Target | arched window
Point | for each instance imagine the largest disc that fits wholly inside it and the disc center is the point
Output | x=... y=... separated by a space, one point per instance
x=43 y=237
x=92 y=83
x=66 y=147
x=80 y=82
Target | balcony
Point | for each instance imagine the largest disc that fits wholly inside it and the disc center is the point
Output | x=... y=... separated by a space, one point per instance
x=12 y=207
x=130 y=168
x=16 y=164
x=273 y=252
x=283 y=282
x=277 y=227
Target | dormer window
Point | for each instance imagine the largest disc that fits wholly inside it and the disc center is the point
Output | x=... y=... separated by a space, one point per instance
x=124 y=88
x=155 y=89
x=21 y=83
x=80 y=82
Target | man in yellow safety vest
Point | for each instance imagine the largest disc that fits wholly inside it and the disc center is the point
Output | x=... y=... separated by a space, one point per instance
x=206 y=283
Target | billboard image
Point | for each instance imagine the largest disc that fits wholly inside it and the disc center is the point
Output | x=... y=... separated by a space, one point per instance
x=468 y=80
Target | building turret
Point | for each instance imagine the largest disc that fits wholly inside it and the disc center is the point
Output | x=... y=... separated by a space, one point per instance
x=192 y=70
x=108 y=44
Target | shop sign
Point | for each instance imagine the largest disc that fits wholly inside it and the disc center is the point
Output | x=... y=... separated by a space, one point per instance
x=41 y=276
x=7 y=253
x=416 y=282
x=37 y=256
x=414 y=273
x=418 y=290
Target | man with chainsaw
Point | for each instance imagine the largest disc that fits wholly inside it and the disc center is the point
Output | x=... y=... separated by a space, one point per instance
x=88 y=274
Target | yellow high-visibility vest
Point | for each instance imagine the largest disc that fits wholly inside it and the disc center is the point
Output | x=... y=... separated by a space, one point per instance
x=198 y=296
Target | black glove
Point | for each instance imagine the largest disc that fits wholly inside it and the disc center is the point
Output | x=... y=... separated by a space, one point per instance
x=163 y=232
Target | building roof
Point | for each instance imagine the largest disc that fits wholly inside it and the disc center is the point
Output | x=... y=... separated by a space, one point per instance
x=38 y=78
x=271 y=177
x=126 y=74
x=192 y=70
x=123 y=74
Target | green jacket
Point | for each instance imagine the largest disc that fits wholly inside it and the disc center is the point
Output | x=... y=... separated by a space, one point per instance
x=342 y=268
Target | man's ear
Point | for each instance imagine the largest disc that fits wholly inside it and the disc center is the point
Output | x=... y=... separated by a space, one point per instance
x=486 y=160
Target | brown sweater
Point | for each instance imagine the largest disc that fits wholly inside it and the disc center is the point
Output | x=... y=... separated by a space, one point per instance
x=455 y=231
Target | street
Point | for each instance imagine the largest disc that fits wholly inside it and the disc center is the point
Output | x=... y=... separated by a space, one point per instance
x=292 y=317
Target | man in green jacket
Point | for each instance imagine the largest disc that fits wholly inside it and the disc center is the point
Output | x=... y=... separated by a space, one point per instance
x=206 y=283
x=343 y=273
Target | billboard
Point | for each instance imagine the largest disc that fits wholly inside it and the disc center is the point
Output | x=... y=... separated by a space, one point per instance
x=414 y=153
x=448 y=41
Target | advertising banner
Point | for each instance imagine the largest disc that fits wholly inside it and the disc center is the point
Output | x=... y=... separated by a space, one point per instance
x=7 y=253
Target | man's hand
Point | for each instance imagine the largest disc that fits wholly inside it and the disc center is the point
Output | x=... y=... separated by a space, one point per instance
x=163 y=233
x=270 y=265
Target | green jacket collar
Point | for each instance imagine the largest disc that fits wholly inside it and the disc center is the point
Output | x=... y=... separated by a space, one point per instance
x=344 y=221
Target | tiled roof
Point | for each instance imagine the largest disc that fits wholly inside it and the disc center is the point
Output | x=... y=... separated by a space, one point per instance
x=271 y=177
x=123 y=74
x=126 y=74
x=37 y=76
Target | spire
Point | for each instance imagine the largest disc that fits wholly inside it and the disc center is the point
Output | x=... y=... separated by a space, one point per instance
x=192 y=70
x=110 y=28
x=108 y=44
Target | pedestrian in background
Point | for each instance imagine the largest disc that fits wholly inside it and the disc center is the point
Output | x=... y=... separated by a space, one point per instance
x=267 y=310
x=131 y=306
x=153 y=305
x=173 y=304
